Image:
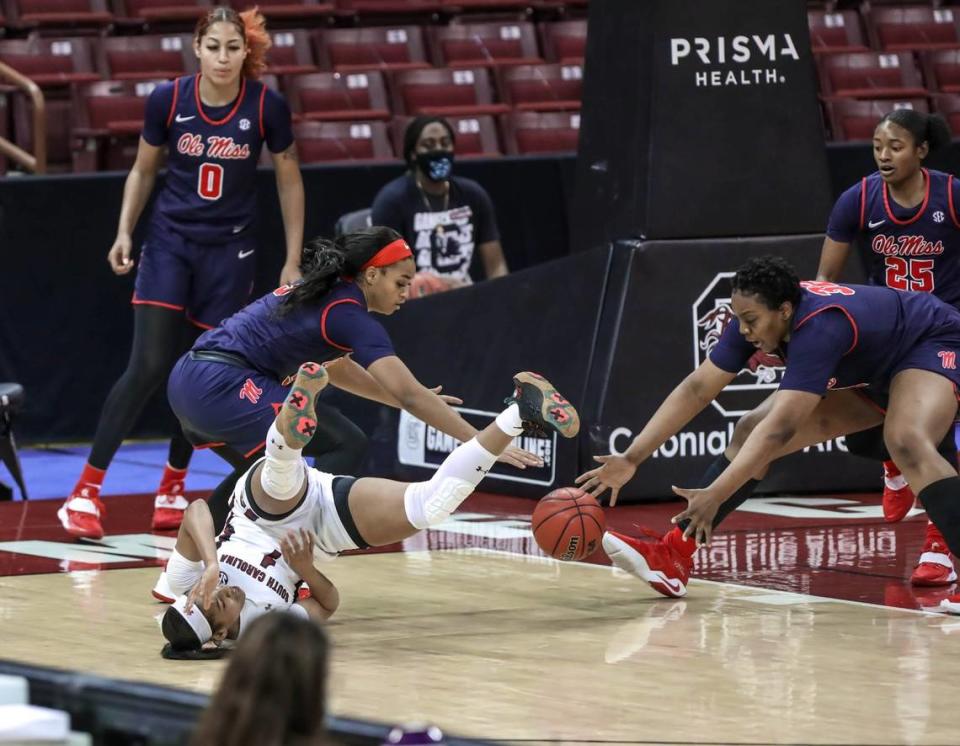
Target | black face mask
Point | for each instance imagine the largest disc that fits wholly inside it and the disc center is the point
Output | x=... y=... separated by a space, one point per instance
x=436 y=165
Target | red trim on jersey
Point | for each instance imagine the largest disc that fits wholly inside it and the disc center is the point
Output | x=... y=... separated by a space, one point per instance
x=263 y=94
x=856 y=330
x=923 y=206
x=205 y=327
x=323 y=323
x=236 y=106
x=137 y=302
x=953 y=210
x=252 y=451
x=863 y=200
x=208 y=445
x=173 y=104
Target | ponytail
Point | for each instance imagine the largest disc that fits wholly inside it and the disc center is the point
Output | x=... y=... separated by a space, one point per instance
x=925 y=128
x=325 y=262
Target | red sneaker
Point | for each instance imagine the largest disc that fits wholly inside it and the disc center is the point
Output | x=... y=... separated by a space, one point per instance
x=80 y=515
x=935 y=566
x=168 y=512
x=304 y=593
x=666 y=570
x=898 y=498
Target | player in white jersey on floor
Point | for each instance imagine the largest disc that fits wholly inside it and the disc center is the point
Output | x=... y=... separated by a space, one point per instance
x=285 y=513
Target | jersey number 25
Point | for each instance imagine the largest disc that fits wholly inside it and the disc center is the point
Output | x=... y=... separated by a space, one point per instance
x=210 y=181
x=909 y=274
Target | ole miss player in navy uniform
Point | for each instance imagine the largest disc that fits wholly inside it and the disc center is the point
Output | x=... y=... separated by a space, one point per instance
x=906 y=216
x=837 y=341
x=197 y=262
x=226 y=390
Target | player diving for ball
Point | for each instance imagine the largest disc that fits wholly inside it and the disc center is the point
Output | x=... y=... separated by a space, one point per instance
x=284 y=513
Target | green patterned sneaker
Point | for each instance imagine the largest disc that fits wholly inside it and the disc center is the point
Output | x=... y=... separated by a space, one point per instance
x=296 y=420
x=542 y=407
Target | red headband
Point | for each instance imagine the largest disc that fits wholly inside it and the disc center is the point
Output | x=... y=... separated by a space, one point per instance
x=389 y=254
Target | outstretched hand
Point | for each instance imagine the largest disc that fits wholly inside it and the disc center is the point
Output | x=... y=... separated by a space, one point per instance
x=519 y=458
x=614 y=472
x=701 y=510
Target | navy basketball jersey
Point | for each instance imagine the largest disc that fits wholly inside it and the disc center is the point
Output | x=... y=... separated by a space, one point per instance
x=277 y=344
x=844 y=336
x=210 y=191
x=909 y=249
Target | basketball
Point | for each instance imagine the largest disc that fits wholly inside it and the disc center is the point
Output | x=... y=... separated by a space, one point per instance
x=427 y=283
x=568 y=524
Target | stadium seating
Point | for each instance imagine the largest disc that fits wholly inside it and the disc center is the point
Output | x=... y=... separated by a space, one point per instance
x=942 y=70
x=57 y=14
x=51 y=62
x=870 y=75
x=444 y=92
x=542 y=87
x=852 y=119
x=338 y=96
x=107 y=121
x=342 y=141
x=836 y=31
x=160 y=12
x=564 y=41
x=948 y=104
x=914 y=28
x=533 y=132
x=146 y=57
x=474 y=44
x=291 y=53
x=383 y=48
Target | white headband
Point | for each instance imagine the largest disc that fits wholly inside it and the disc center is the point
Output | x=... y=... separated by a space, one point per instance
x=195 y=618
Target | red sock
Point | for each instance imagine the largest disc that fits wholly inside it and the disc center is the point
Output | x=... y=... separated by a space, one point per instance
x=674 y=539
x=171 y=483
x=91 y=479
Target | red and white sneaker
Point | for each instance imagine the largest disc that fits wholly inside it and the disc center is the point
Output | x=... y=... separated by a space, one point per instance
x=898 y=498
x=80 y=515
x=168 y=512
x=303 y=593
x=162 y=590
x=665 y=569
x=935 y=566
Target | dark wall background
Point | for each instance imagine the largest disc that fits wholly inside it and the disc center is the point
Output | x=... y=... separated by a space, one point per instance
x=65 y=320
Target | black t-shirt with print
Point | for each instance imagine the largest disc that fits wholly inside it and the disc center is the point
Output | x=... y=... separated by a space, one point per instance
x=443 y=240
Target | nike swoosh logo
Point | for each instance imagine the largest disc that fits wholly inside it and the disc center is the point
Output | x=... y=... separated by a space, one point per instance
x=873 y=224
x=185 y=119
x=673 y=585
x=238 y=228
x=244 y=254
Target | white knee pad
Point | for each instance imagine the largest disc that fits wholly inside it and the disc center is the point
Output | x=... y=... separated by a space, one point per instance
x=282 y=480
x=431 y=503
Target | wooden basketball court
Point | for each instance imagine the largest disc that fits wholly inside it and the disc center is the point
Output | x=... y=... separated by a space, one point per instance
x=472 y=628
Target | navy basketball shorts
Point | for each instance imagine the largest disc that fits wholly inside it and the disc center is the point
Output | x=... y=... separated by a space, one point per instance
x=937 y=355
x=208 y=282
x=220 y=404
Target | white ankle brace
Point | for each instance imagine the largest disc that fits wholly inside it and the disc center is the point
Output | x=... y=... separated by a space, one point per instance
x=430 y=503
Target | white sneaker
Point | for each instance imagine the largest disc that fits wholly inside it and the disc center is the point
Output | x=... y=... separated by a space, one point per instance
x=162 y=590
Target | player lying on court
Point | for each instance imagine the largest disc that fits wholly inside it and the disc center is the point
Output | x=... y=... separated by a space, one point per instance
x=284 y=513
x=846 y=348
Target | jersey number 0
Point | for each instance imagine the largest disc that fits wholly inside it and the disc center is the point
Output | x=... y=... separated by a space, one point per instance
x=909 y=274
x=210 y=181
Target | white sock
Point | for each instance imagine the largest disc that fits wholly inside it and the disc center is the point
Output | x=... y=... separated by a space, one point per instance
x=283 y=472
x=430 y=503
x=509 y=421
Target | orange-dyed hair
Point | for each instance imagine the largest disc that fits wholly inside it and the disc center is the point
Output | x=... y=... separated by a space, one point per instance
x=252 y=27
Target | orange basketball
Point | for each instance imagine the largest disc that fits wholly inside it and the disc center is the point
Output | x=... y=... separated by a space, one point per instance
x=427 y=283
x=568 y=524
